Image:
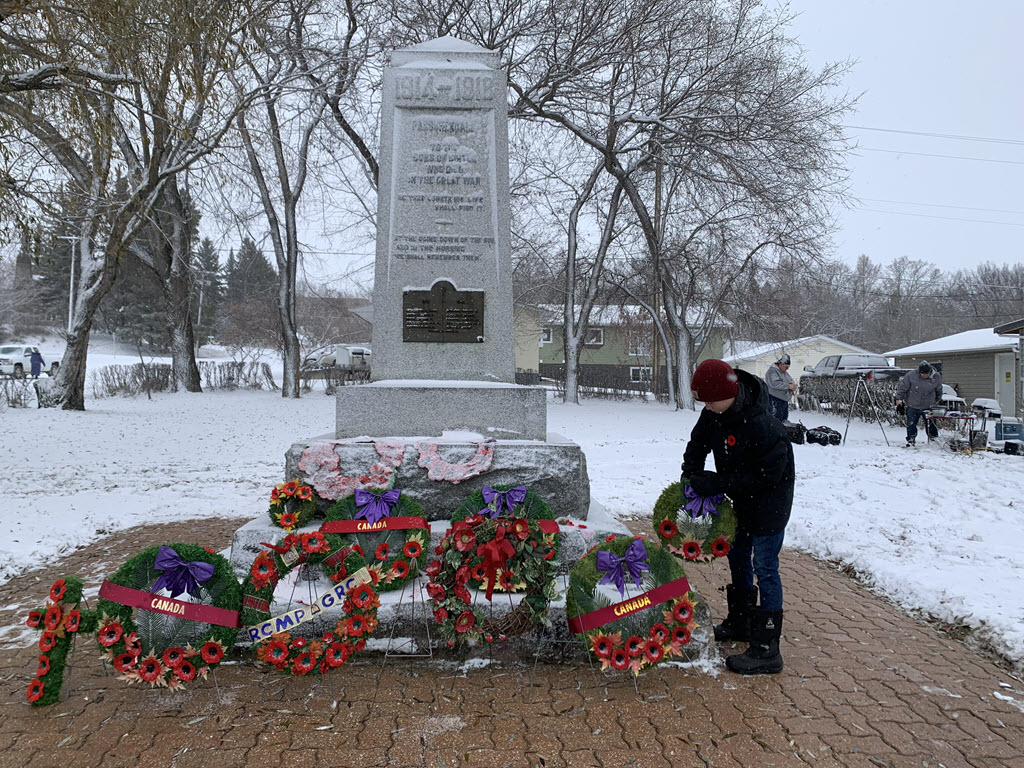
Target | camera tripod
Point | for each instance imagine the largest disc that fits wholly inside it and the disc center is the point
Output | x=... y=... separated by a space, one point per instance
x=862 y=382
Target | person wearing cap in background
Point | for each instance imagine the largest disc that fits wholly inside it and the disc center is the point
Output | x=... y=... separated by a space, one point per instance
x=780 y=388
x=754 y=463
x=919 y=390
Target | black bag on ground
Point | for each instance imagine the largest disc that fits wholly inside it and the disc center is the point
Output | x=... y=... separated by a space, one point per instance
x=824 y=436
x=796 y=432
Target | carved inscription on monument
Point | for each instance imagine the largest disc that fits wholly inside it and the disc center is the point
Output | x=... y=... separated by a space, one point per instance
x=443 y=314
x=442 y=191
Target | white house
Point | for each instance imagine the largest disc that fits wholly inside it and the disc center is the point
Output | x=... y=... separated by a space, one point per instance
x=806 y=351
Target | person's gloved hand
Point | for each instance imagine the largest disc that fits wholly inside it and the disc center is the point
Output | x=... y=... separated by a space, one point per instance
x=706 y=483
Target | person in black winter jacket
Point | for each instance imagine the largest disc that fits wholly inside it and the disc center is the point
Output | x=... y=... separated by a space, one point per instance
x=754 y=467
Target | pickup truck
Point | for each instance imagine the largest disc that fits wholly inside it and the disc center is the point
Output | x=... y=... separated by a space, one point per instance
x=852 y=365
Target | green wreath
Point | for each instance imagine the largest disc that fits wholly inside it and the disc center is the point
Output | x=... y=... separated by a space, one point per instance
x=164 y=650
x=698 y=539
x=642 y=638
x=298 y=656
x=292 y=505
x=392 y=557
x=525 y=554
x=61 y=619
x=532 y=508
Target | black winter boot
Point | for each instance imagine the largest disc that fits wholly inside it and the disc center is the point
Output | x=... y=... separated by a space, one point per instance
x=762 y=657
x=742 y=604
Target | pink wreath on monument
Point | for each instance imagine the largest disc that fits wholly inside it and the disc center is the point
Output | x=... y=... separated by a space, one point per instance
x=320 y=464
x=440 y=469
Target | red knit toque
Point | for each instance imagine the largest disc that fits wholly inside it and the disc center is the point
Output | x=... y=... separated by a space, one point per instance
x=714 y=380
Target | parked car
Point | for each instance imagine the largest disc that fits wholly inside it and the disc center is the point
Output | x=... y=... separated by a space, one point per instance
x=341 y=355
x=843 y=366
x=15 y=360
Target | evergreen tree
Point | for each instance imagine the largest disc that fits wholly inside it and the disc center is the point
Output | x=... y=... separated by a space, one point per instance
x=208 y=290
x=250 y=276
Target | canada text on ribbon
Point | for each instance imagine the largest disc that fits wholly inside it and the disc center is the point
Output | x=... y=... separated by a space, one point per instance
x=600 y=617
x=147 y=601
x=384 y=524
x=334 y=596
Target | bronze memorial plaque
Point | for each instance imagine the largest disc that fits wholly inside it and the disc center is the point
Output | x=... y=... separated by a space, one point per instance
x=443 y=314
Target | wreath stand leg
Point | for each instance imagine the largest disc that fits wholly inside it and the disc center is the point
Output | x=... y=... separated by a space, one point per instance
x=415 y=591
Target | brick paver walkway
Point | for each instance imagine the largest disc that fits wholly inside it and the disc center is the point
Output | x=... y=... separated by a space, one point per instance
x=864 y=686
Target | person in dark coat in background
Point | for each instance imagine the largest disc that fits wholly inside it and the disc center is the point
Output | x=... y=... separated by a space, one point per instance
x=780 y=388
x=754 y=463
x=36 y=361
x=920 y=390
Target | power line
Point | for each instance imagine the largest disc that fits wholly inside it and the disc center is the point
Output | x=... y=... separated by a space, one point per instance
x=930 y=134
x=949 y=157
x=940 y=205
x=944 y=218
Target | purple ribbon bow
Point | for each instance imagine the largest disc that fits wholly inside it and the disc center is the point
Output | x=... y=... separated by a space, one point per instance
x=373 y=507
x=178 y=575
x=509 y=498
x=635 y=560
x=701 y=506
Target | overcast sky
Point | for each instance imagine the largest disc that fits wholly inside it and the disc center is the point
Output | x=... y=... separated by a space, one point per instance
x=934 y=67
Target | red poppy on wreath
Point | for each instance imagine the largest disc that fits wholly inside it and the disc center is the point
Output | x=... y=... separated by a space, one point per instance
x=412 y=549
x=304 y=662
x=609 y=538
x=465 y=622
x=72 y=620
x=263 y=570
x=57 y=590
x=680 y=635
x=172 y=657
x=35 y=691
x=46 y=642
x=212 y=651
x=465 y=540
x=355 y=625
x=461 y=593
x=276 y=652
x=475 y=519
x=654 y=651
x=290 y=488
x=297 y=643
x=400 y=568
x=682 y=611
x=436 y=592
x=336 y=655
x=185 y=671
x=305 y=493
x=288 y=520
x=434 y=569
x=620 y=659
x=668 y=529
x=635 y=646
x=132 y=644
x=51 y=620
x=382 y=551
x=150 y=668
x=34 y=618
x=462 y=576
x=521 y=528
x=659 y=632
x=124 y=661
x=720 y=547
x=507 y=580
x=441 y=615
x=315 y=542
x=44 y=665
x=275 y=496
x=691 y=550
x=361 y=596
x=478 y=572
x=602 y=646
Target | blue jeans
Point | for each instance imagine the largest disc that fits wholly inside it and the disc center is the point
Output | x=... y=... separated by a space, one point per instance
x=913 y=416
x=778 y=407
x=758 y=555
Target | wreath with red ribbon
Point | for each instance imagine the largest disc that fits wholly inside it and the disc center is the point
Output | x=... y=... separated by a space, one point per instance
x=297 y=655
x=162 y=640
x=388 y=529
x=698 y=529
x=651 y=619
x=502 y=553
x=59 y=621
x=292 y=504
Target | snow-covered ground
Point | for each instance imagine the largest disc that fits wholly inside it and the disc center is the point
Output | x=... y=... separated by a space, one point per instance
x=931 y=529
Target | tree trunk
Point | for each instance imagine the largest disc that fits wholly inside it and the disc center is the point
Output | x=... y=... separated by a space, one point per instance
x=684 y=395
x=291 y=351
x=177 y=285
x=572 y=349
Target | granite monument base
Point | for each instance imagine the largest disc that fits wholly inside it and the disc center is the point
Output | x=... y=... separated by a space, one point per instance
x=427 y=469
x=424 y=407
